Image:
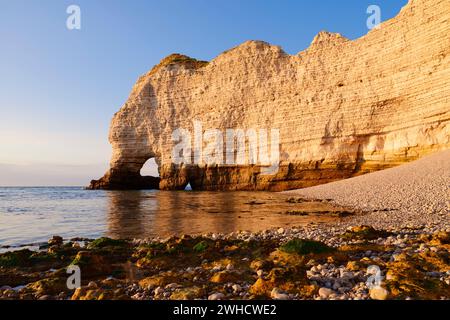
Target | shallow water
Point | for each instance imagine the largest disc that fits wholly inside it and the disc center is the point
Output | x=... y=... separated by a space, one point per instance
x=33 y=215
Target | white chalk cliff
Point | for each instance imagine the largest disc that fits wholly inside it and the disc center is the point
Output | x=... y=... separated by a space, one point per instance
x=343 y=107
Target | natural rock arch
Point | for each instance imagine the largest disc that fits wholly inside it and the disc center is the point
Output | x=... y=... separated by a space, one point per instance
x=343 y=107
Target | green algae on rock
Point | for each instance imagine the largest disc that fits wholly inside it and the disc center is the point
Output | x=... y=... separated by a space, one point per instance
x=302 y=246
x=364 y=233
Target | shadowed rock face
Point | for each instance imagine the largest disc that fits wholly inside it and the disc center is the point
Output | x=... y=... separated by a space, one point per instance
x=123 y=180
x=342 y=107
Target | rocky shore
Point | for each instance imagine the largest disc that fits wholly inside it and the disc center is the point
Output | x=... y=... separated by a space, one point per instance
x=309 y=262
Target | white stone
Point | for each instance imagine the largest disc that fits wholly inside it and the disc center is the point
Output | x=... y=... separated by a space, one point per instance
x=325 y=292
x=172 y=286
x=216 y=296
x=236 y=288
x=277 y=294
x=159 y=291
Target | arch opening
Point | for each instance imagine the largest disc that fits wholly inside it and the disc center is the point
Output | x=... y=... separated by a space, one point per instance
x=150 y=168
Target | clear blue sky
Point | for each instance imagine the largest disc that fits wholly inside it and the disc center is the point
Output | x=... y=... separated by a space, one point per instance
x=60 y=88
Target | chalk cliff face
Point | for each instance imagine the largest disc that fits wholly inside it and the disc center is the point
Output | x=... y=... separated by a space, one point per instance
x=342 y=107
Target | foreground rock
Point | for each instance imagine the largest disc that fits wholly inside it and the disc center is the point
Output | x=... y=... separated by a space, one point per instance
x=343 y=107
x=274 y=264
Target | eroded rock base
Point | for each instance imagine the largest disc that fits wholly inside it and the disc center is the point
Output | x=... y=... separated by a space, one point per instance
x=238 y=178
x=124 y=181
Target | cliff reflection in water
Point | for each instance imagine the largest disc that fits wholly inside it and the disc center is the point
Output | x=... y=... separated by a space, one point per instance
x=140 y=214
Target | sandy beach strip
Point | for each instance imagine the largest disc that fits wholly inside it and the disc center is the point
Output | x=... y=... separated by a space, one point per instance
x=414 y=194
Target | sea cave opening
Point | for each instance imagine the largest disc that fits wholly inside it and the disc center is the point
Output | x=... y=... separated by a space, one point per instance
x=150 y=168
x=149 y=175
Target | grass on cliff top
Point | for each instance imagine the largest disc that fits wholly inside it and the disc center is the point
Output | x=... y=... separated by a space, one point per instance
x=179 y=59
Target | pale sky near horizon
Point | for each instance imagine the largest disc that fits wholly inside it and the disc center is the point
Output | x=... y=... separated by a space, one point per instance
x=59 y=88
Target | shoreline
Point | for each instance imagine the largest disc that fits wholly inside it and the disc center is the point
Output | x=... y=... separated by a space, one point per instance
x=379 y=251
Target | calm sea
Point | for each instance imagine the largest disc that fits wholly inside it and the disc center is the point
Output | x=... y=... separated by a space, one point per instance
x=34 y=214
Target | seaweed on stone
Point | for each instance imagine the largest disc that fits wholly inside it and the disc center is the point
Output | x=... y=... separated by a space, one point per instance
x=302 y=246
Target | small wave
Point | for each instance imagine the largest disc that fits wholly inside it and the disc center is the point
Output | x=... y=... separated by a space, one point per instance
x=17 y=210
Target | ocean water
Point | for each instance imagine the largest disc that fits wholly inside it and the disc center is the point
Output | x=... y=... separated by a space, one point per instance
x=32 y=215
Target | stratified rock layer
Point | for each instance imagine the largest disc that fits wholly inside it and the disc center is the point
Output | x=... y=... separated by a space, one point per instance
x=343 y=107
